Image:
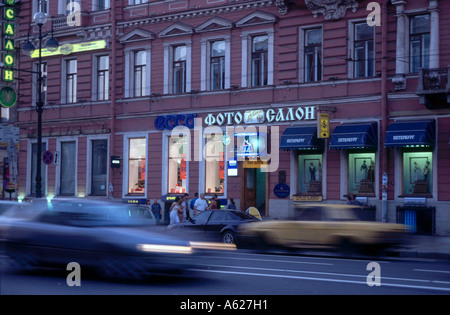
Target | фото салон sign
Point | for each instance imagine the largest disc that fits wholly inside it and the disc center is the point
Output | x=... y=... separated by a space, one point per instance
x=259 y=116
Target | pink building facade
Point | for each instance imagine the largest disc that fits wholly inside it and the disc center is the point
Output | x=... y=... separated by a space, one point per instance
x=153 y=99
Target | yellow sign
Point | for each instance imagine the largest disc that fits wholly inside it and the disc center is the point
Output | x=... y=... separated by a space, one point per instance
x=323 y=127
x=255 y=164
x=303 y=198
x=67 y=49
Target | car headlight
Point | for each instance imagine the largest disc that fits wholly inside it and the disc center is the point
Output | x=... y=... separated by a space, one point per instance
x=156 y=248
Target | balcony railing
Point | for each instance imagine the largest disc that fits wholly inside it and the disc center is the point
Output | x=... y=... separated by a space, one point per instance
x=434 y=85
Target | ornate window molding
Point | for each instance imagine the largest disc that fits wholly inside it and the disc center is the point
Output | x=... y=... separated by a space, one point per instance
x=331 y=9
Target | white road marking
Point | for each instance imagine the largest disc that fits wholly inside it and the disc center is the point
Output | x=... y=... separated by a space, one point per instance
x=324 y=279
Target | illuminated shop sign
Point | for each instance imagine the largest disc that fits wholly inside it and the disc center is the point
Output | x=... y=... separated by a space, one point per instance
x=67 y=49
x=172 y=121
x=260 y=116
x=9 y=31
x=251 y=144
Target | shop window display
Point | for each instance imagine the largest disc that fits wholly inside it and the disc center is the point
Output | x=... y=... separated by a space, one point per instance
x=417 y=173
x=214 y=165
x=136 y=166
x=310 y=174
x=177 y=177
x=361 y=173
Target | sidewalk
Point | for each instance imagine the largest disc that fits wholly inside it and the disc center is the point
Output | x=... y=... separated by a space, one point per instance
x=424 y=246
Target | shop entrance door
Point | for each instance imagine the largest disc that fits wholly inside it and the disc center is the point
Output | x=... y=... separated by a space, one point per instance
x=254 y=192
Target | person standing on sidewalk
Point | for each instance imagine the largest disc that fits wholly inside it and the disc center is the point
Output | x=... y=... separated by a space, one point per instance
x=157 y=210
x=200 y=205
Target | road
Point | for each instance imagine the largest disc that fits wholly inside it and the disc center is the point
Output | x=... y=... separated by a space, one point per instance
x=244 y=272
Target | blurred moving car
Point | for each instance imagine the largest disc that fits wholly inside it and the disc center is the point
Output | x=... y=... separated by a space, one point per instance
x=324 y=225
x=113 y=238
x=216 y=225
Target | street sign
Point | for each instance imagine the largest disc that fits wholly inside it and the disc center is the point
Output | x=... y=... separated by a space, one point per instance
x=47 y=157
x=323 y=126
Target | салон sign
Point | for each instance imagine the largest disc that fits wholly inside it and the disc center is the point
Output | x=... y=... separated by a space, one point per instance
x=8 y=41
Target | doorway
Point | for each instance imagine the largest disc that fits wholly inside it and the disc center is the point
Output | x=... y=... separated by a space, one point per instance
x=254 y=192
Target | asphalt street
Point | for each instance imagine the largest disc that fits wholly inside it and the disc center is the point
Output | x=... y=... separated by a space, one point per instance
x=249 y=273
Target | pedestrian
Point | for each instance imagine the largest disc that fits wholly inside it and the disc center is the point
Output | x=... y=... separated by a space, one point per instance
x=157 y=210
x=231 y=205
x=200 y=204
x=214 y=204
x=176 y=214
x=192 y=204
x=184 y=205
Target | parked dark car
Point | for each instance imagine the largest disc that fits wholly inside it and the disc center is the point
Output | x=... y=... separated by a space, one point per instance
x=111 y=237
x=216 y=225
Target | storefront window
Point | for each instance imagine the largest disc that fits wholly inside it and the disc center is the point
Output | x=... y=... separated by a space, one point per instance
x=310 y=174
x=214 y=165
x=136 y=165
x=177 y=177
x=417 y=173
x=361 y=173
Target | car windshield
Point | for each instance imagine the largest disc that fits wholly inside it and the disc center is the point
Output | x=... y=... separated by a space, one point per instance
x=95 y=214
x=236 y=215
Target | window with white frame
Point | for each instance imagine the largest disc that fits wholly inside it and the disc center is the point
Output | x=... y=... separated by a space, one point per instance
x=137 y=157
x=419 y=42
x=214 y=164
x=100 y=5
x=68 y=168
x=363 y=50
x=312 y=55
x=257 y=58
x=177 y=164
x=102 y=80
x=71 y=81
x=179 y=69
x=98 y=167
x=40 y=6
x=217 y=65
x=140 y=73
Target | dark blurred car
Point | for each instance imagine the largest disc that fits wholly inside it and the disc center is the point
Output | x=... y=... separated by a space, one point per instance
x=216 y=225
x=113 y=238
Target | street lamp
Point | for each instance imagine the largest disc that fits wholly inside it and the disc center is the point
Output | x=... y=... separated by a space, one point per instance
x=28 y=48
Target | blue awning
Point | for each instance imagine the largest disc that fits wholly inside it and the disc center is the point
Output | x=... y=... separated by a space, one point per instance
x=355 y=136
x=411 y=134
x=300 y=138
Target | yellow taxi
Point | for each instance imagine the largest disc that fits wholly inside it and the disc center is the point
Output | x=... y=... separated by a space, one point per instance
x=324 y=225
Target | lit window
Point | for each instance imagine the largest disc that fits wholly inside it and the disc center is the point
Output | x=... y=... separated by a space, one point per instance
x=177 y=172
x=137 y=148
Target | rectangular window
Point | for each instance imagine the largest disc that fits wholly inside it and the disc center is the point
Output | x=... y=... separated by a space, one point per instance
x=363 y=50
x=419 y=43
x=33 y=169
x=99 y=167
x=260 y=45
x=313 y=55
x=177 y=172
x=102 y=5
x=361 y=173
x=214 y=164
x=103 y=78
x=71 y=81
x=138 y=1
x=179 y=69
x=417 y=173
x=140 y=73
x=68 y=168
x=42 y=6
x=137 y=154
x=309 y=174
x=217 y=63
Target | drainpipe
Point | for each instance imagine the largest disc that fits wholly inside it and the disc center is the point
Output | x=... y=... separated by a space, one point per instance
x=384 y=110
x=113 y=96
